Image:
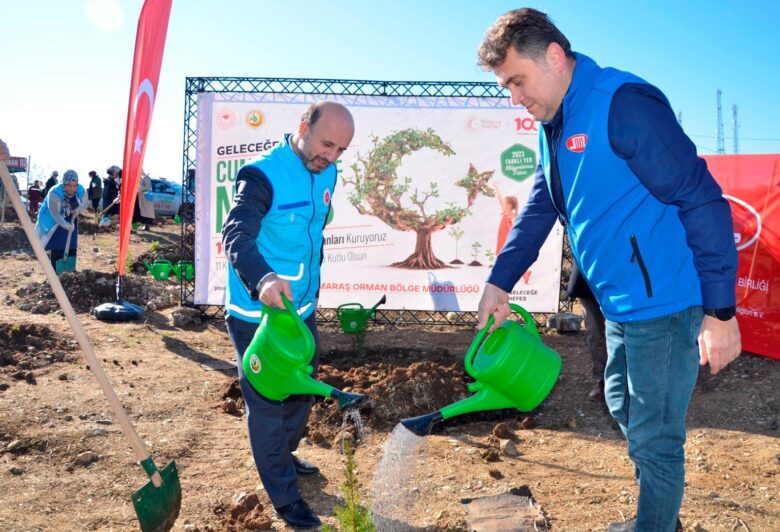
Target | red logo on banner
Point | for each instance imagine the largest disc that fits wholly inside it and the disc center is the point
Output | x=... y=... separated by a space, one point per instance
x=526 y=124
x=226 y=119
x=577 y=143
x=326 y=197
x=747 y=222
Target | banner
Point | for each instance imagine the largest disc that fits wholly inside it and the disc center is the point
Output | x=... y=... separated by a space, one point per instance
x=149 y=46
x=425 y=195
x=751 y=183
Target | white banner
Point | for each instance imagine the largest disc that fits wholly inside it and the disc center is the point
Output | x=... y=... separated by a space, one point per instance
x=417 y=215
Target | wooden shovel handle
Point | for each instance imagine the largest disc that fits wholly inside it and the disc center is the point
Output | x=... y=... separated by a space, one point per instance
x=94 y=364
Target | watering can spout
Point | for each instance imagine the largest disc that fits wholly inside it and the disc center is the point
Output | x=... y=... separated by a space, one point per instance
x=347 y=400
x=486 y=398
x=148 y=266
x=422 y=425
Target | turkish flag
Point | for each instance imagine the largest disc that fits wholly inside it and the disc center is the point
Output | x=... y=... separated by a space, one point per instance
x=149 y=46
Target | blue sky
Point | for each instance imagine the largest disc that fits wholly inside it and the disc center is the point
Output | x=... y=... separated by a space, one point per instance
x=66 y=63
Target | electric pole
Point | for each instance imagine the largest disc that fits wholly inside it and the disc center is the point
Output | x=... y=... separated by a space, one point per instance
x=735 y=126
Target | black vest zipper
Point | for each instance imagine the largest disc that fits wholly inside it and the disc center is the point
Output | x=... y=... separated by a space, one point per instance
x=636 y=254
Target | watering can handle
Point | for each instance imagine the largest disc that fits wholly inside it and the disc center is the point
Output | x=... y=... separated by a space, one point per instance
x=475 y=343
x=345 y=306
x=302 y=327
x=530 y=324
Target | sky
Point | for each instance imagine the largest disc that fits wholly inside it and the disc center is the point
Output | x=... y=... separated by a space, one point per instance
x=65 y=64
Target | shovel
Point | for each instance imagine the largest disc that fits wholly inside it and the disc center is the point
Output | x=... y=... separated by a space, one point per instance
x=66 y=263
x=99 y=214
x=157 y=504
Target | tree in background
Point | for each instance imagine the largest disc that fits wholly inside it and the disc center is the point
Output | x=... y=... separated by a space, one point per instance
x=378 y=193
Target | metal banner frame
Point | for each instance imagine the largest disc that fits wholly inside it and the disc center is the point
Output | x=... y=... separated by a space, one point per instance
x=197 y=85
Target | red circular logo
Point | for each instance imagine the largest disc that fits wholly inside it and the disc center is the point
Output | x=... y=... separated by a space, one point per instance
x=326 y=197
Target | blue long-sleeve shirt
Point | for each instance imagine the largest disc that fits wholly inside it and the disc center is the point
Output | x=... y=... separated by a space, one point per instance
x=644 y=132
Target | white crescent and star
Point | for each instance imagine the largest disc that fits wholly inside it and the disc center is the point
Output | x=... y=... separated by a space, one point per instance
x=147 y=88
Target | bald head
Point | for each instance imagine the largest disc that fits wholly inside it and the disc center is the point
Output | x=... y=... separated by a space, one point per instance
x=325 y=131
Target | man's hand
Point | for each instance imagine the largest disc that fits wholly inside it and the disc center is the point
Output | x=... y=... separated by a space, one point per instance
x=719 y=342
x=496 y=302
x=271 y=290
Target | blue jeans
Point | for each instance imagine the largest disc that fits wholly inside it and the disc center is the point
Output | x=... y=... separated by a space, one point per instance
x=650 y=375
x=275 y=427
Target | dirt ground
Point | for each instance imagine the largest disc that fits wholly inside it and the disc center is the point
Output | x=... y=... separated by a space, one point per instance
x=65 y=464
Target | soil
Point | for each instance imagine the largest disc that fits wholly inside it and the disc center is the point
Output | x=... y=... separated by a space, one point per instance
x=65 y=464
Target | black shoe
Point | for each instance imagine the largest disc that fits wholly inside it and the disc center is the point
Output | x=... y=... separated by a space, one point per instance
x=597 y=392
x=302 y=467
x=299 y=515
x=628 y=526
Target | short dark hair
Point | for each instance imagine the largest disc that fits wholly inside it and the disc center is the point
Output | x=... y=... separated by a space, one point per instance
x=312 y=114
x=529 y=31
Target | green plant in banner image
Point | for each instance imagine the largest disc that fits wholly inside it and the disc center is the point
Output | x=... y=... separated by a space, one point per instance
x=475 y=247
x=490 y=256
x=352 y=515
x=154 y=246
x=456 y=233
x=378 y=191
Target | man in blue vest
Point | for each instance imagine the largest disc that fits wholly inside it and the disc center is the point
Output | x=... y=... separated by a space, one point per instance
x=649 y=230
x=273 y=243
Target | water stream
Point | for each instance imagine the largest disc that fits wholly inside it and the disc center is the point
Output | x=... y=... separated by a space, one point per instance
x=392 y=499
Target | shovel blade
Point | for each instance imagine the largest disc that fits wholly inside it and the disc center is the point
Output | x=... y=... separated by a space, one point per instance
x=158 y=508
x=67 y=264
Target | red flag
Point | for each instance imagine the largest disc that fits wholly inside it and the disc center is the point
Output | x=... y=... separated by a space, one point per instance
x=149 y=46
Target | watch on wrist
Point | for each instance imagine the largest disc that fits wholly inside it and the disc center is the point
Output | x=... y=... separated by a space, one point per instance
x=723 y=313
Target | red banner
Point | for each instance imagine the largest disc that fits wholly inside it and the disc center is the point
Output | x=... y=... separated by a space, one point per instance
x=149 y=46
x=752 y=185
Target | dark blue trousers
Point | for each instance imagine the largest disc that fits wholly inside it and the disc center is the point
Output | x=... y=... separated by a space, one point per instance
x=275 y=427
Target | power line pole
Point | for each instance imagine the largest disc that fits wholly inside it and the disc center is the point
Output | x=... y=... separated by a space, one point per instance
x=720 y=142
x=735 y=126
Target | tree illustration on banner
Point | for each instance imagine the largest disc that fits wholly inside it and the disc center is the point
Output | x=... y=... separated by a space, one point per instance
x=378 y=193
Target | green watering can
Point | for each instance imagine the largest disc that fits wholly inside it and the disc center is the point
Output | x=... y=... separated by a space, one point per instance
x=160 y=269
x=276 y=363
x=353 y=316
x=184 y=269
x=512 y=369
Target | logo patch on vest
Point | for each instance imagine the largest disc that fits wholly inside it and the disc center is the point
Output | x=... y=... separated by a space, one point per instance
x=577 y=143
x=326 y=197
